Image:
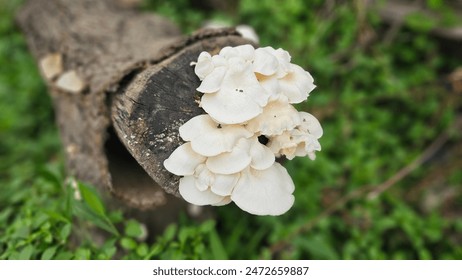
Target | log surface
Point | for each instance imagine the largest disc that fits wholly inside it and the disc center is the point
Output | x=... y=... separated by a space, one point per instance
x=121 y=85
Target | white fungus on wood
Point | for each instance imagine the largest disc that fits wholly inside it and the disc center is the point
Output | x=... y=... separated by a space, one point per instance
x=248 y=95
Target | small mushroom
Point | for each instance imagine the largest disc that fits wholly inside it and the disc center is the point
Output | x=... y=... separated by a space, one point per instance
x=278 y=116
x=265 y=62
x=224 y=184
x=226 y=200
x=310 y=124
x=297 y=84
x=212 y=82
x=209 y=138
x=240 y=96
x=248 y=32
x=183 y=161
x=204 y=65
x=300 y=141
x=231 y=162
x=204 y=178
x=247 y=152
x=264 y=192
x=207 y=188
x=247 y=52
x=192 y=194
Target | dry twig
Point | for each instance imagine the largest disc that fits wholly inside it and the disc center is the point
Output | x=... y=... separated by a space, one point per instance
x=372 y=191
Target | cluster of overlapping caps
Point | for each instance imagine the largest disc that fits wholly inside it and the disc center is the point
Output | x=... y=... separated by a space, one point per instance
x=230 y=152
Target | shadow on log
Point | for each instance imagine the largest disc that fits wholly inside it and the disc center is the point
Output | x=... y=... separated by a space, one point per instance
x=121 y=85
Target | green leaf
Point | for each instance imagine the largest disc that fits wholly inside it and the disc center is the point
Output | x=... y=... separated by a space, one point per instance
x=49 y=253
x=82 y=254
x=92 y=199
x=155 y=250
x=64 y=256
x=134 y=229
x=84 y=212
x=318 y=247
x=26 y=253
x=65 y=232
x=169 y=232
x=142 y=250
x=128 y=243
x=216 y=246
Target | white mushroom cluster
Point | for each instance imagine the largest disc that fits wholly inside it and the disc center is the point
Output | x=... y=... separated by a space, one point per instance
x=230 y=152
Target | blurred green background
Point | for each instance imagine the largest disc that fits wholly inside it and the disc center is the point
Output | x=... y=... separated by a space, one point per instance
x=387 y=184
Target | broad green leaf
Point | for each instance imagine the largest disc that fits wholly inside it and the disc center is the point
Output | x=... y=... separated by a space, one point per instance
x=26 y=253
x=216 y=246
x=84 y=212
x=134 y=229
x=49 y=253
x=92 y=199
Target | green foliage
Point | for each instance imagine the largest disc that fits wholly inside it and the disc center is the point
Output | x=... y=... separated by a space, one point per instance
x=380 y=103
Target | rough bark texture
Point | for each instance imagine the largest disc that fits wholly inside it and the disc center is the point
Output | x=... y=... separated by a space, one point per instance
x=147 y=115
x=121 y=84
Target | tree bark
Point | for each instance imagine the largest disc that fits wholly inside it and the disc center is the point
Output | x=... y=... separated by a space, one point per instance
x=121 y=85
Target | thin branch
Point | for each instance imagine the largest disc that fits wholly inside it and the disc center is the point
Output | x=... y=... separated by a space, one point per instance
x=374 y=191
x=424 y=157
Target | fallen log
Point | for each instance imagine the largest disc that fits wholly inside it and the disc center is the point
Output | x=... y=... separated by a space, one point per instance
x=121 y=85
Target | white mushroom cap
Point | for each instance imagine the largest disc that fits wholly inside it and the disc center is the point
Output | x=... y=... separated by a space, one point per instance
x=231 y=162
x=192 y=194
x=300 y=141
x=283 y=58
x=240 y=96
x=265 y=62
x=209 y=138
x=183 y=161
x=310 y=124
x=224 y=184
x=264 y=192
x=248 y=32
x=212 y=82
x=218 y=183
x=297 y=84
x=246 y=152
x=271 y=62
x=204 y=65
x=205 y=187
x=277 y=117
x=226 y=200
x=204 y=179
x=247 y=52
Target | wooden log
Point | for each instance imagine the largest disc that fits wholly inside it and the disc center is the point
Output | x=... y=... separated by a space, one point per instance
x=121 y=85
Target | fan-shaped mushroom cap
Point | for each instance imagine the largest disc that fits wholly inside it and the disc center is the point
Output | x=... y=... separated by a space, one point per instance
x=209 y=138
x=264 y=192
x=183 y=161
x=297 y=84
x=239 y=98
x=192 y=194
x=277 y=117
x=246 y=152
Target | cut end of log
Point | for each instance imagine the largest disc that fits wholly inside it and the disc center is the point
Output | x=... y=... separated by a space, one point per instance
x=147 y=114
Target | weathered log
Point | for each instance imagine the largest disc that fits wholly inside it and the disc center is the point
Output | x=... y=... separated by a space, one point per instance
x=121 y=85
